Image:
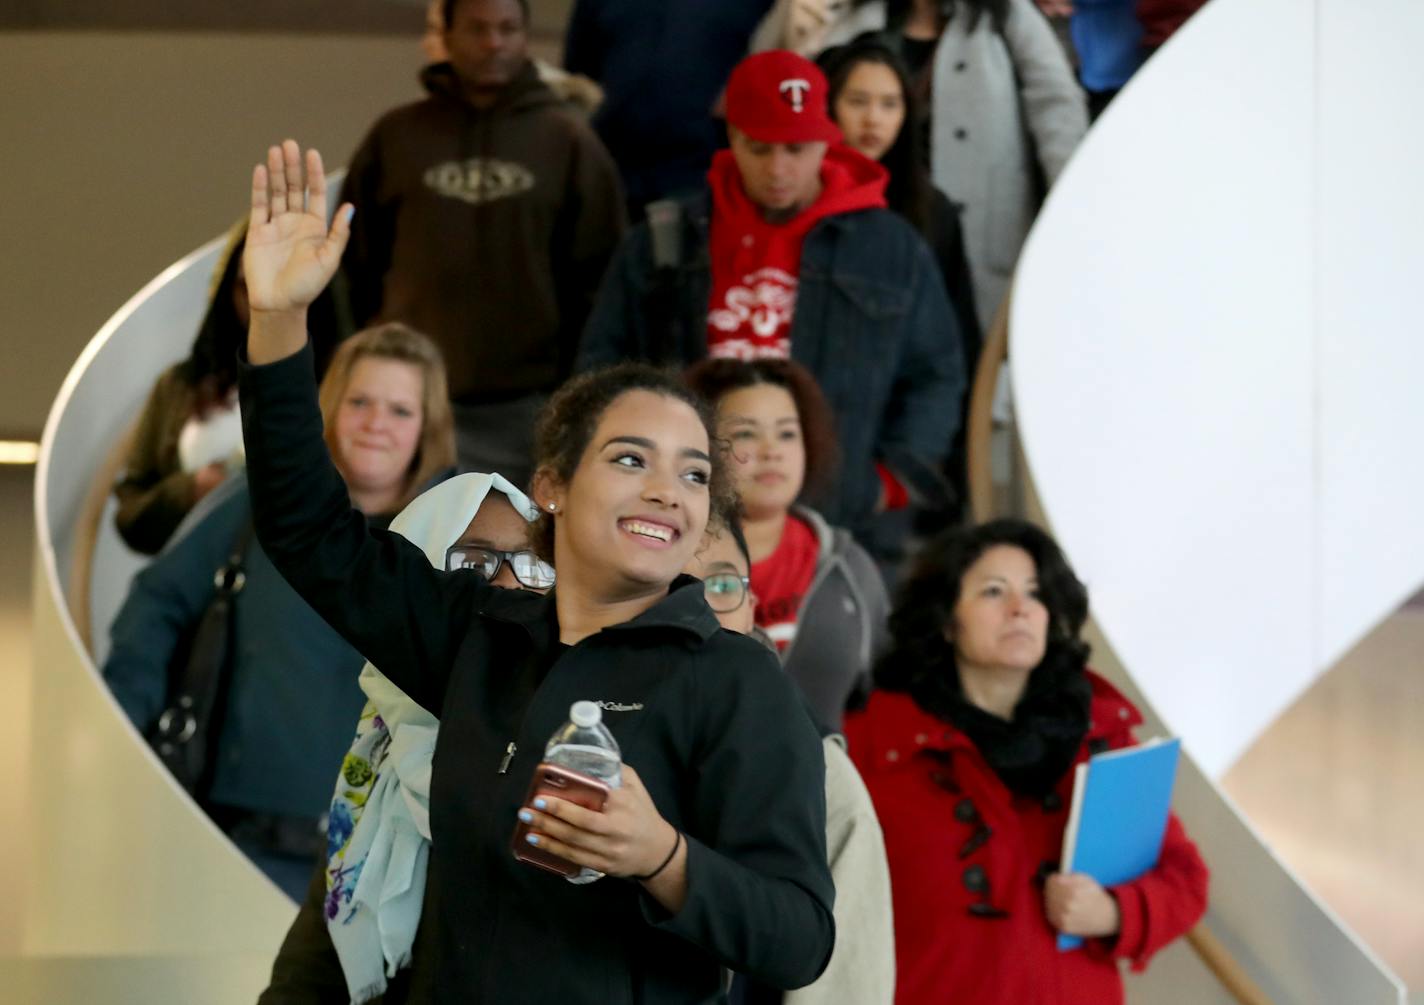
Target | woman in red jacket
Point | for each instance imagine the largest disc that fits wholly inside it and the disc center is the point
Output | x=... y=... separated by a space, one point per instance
x=983 y=706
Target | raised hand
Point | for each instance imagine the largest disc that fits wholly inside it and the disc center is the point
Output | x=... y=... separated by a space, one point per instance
x=291 y=255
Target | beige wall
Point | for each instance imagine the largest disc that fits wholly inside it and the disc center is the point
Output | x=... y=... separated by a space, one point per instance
x=122 y=152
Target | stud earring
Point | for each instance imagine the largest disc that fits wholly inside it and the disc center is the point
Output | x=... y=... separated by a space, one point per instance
x=552 y=507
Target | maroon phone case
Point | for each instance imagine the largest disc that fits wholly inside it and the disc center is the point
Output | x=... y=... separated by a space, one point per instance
x=570 y=786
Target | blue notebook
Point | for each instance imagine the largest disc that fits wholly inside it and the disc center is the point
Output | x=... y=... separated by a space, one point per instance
x=1119 y=815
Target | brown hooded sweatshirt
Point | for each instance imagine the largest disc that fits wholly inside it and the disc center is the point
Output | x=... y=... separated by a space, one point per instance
x=488 y=229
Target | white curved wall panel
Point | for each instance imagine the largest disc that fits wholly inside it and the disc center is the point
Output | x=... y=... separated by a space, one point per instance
x=1370 y=319
x=1216 y=357
x=121 y=861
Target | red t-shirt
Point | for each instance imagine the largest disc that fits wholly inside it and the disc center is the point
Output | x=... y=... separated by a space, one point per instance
x=780 y=581
x=756 y=264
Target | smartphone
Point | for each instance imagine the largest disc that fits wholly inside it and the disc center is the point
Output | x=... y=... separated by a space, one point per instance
x=552 y=780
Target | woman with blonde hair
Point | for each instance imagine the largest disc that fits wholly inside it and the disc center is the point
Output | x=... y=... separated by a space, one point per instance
x=284 y=717
x=397 y=354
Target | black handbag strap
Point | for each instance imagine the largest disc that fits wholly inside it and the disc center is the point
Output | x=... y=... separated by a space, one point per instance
x=187 y=729
x=232 y=576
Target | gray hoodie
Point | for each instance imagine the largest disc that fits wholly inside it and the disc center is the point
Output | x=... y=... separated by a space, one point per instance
x=841 y=626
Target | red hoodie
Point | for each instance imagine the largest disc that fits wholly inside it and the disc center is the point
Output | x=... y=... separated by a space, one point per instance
x=755 y=264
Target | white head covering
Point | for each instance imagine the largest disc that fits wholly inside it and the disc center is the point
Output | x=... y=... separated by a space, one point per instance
x=436 y=518
x=378 y=830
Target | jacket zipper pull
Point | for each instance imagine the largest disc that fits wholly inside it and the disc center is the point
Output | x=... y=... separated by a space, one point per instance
x=508 y=756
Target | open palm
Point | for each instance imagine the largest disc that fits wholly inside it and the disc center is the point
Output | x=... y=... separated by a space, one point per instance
x=291 y=254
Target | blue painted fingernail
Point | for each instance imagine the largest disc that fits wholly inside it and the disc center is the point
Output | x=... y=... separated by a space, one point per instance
x=532 y=839
x=526 y=816
x=540 y=804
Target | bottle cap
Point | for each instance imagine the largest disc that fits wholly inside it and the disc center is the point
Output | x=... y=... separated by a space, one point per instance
x=585 y=714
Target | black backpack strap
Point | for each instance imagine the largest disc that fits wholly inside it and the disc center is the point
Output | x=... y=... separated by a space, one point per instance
x=664 y=305
x=665 y=234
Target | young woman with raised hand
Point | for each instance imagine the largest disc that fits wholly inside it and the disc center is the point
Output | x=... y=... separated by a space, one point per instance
x=983 y=707
x=819 y=596
x=714 y=846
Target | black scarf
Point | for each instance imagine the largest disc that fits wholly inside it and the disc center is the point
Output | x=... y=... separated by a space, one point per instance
x=1032 y=752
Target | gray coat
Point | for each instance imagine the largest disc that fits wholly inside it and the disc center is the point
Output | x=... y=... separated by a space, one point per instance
x=842 y=624
x=1006 y=115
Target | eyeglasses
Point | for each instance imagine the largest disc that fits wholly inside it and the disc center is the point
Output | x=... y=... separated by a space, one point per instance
x=528 y=568
x=726 y=591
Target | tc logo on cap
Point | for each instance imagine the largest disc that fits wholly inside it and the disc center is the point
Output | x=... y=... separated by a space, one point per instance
x=794 y=91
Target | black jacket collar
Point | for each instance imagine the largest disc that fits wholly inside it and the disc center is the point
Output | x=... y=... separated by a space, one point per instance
x=684 y=609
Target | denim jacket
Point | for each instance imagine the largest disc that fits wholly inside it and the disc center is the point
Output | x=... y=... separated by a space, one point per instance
x=292 y=695
x=872 y=323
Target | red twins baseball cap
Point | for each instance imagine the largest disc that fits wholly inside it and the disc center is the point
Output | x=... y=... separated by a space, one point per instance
x=780 y=97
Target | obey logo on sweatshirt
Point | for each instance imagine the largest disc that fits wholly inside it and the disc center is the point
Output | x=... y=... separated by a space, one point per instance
x=479 y=179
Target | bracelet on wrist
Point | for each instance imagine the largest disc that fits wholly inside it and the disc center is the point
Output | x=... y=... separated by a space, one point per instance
x=676 y=844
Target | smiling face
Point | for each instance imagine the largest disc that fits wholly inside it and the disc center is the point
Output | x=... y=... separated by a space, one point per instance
x=999 y=620
x=763 y=427
x=378 y=424
x=636 y=506
x=870 y=109
x=487 y=42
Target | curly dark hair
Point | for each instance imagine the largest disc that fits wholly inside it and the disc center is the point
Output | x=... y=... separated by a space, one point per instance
x=569 y=418
x=715 y=378
x=921 y=660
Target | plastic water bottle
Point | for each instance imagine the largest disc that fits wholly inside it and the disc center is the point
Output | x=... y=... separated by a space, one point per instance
x=585 y=745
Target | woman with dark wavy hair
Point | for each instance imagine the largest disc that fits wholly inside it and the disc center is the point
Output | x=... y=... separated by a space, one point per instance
x=984 y=705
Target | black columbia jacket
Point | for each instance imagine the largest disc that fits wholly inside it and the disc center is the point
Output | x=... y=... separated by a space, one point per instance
x=715 y=729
